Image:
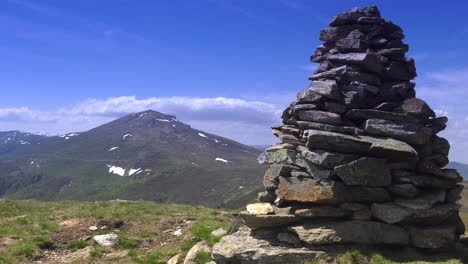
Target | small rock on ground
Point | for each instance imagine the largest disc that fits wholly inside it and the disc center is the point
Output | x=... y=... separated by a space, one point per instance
x=106 y=240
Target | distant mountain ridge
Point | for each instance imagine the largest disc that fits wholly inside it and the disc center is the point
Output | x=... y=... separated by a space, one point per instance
x=146 y=155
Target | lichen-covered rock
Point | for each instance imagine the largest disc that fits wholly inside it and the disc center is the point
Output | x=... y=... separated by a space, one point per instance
x=255 y=247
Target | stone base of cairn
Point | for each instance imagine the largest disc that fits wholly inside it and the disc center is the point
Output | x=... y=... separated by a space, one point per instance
x=360 y=161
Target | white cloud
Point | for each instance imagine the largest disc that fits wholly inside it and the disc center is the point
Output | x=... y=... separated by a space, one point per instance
x=242 y=120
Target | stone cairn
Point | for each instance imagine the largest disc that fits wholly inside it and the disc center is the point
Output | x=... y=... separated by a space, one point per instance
x=359 y=162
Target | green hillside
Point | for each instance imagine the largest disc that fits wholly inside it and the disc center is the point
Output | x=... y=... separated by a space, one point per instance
x=147 y=155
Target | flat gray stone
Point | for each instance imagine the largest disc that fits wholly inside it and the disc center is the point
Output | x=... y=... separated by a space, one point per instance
x=407 y=132
x=338 y=232
x=322 y=211
x=320 y=117
x=373 y=146
x=365 y=172
x=393 y=213
x=422 y=180
x=257 y=221
x=364 y=114
x=325 y=127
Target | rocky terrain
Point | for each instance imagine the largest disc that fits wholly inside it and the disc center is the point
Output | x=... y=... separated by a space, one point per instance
x=359 y=162
x=147 y=155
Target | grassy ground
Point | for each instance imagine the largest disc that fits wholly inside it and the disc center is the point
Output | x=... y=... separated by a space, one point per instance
x=33 y=231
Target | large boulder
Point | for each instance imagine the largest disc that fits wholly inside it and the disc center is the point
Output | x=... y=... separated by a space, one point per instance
x=260 y=247
x=337 y=232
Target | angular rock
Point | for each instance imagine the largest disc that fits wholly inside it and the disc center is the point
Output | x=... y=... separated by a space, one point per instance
x=313 y=170
x=353 y=15
x=280 y=146
x=266 y=197
x=320 y=117
x=429 y=167
x=354 y=41
x=335 y=108
x=368 y=61
x=392 y=213
x=440 y=146
x=362 y=232
x=270 y=181
x=253 y=248
x=308 y=96
x=282 y=169
x=405 y=190
x=282 y=156
x=417 y=108
x=260 y=209
x=424 y=201
x=454 y=194
x=382 y=147
x=257 y=221
x=438 y=159
x=365 y=172
x=322 y=211
x=325 y=127
x=359 y=211
x=421 y=180
x=304 y=190
x=106 y=240
x=400 y=70
x=407 y=132
x=326 y=159
x=328 y=89
x=364 y=114
x=348 y=73
x=432 y=237
x=289 y=238
x=200 y=247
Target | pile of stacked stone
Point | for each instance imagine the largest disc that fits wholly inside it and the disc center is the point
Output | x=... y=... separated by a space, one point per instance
x=360 y=160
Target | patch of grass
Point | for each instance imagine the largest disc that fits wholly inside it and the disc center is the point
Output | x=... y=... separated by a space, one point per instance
x=203 y=257
x=95 y=254
x=352 y=257
x=202 y=228
x=124 y=242
x=44 y=242
x=188 y=244
x=158 y=257
x=74 y=245
x=143 y=233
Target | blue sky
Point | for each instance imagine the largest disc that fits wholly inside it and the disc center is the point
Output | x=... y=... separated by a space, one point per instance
x=224 y=66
